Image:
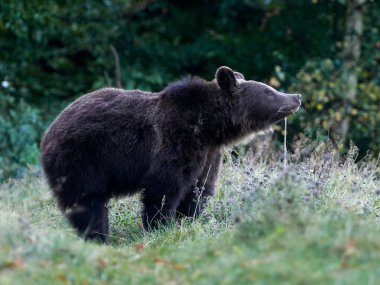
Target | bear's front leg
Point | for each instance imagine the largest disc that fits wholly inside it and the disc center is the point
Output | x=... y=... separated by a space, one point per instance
x=193 y=202
x=159 y=205
x=166 y=184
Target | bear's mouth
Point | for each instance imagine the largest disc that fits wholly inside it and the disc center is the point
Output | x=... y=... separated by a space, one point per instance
x=287 y=110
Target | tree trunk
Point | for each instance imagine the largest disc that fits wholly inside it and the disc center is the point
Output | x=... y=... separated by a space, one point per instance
x=351 y=56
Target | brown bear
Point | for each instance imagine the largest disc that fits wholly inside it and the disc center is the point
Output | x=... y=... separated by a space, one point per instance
x=114 y=142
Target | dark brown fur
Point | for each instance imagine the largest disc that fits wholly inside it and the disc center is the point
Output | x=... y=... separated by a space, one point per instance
x=114 y=142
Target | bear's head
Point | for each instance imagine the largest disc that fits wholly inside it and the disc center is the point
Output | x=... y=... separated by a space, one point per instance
x=258 y=105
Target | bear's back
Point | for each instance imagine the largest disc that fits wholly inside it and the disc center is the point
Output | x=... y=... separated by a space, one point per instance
x=109 y=125
x=105 y=110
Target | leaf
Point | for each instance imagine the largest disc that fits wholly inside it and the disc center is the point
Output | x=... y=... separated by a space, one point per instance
x=161 y=261
x=62 y=278
x=350 y=247
x=274 y=82
x=139 y=246
x=102 y=262
x=18 y=263
x=176 y=266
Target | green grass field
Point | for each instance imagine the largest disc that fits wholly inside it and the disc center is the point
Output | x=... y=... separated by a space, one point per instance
x=315 y=223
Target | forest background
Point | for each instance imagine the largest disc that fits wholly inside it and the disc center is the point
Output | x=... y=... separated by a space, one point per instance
x=54 y=51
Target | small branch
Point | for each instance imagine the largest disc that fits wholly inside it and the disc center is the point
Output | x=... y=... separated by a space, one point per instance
x=108 y=80
x=119 y=83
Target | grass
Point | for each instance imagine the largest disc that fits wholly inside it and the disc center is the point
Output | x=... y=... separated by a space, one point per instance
x=317 y=222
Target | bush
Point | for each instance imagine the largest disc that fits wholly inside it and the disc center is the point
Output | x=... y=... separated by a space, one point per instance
x=321 y=84
x=20 y=128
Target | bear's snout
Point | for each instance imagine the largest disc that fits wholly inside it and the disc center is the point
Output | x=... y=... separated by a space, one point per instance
x=296 y=98
x=290 y=104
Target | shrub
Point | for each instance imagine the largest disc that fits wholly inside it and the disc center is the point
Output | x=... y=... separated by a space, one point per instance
x=20 y=128
x=321 y=84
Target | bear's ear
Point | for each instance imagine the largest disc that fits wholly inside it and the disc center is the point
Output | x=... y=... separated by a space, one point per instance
x=225 y=78
x=238 y=75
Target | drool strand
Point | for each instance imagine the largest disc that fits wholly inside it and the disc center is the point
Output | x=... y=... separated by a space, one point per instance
x=285 y=150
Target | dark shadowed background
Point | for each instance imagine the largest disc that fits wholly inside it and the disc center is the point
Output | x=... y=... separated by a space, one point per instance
x=54 y=51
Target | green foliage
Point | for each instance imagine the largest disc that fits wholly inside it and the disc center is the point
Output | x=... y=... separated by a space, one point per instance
x=20 y=128
x=55 y=51
x=321 y=83
x=64 y=49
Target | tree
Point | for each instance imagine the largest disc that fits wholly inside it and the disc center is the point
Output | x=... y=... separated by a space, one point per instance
x=351 y=56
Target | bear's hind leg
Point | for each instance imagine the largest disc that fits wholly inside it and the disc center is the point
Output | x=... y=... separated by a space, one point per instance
x=89 y=216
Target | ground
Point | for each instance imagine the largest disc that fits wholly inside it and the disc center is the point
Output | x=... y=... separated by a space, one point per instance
x=316 y=222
